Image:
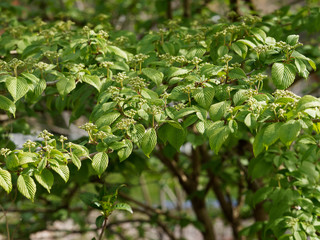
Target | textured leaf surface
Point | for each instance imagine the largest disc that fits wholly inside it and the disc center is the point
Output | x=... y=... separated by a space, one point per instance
x=75 y=160
x=100 y=162
x=154 y=75
x=5 y=180
x=63 y=171
x=65 y=85
x=125 y=152
x=45 y=178
x=149 y=141
x=204 y=96
x=219 y=136
x=123 y=206
x=289 y=131
x=218 y=110
x=93 y=81
x=27 y=186
x=17 y=87
x=283 y=75
x=7 y=105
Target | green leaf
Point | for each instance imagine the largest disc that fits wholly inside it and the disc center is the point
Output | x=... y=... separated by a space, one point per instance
x=107 y=119
x=79 y=150
x=149 y=141
x=122 y=206
x=218 y=137
x=27 y=186
x=174 y=72
x=126 y=151
x=100 y=162
x=62 y=170
x=307 y=101
x=17 y=87
x=154 y=75
x=240 y=49
x=271 y=134
x=298 y=55
x=99 y=221
x=5 y=180
x=211 y=70
x=289 y=131
x=292 y=39
x=174 y=133
x=117 y=51
x=75 y=160
x=223 y=50
x=32 y=78
x=283 y=75
x=7 y=105
x=237 y=73
x=247 y=42
x=204 y=96
x=259 y=34
x=93 y=80
x=45 y=178
x=218 y=110
x=65 y=85
x=258 y=146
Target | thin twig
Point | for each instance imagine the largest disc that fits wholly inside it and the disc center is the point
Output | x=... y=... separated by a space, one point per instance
x=7 y=224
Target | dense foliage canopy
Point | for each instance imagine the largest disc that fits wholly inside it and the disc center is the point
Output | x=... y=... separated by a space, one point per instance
x=201 y=107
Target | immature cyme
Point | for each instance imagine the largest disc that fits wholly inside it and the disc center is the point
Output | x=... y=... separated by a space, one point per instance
x=103 y=34
x=155 y=110
x=14 y=63
x=45 y=135
x=121 y=40
x=120 y=78
x=285 y=93
x=138 y=83
x=130 y=113
x=29 y=144
x=42 y=66
x=287 y=47
x=88 y=127
x=5 y=151
x=64 y=25
x=125 y=123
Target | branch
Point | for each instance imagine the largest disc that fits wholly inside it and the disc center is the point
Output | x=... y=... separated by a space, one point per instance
x=175 y=170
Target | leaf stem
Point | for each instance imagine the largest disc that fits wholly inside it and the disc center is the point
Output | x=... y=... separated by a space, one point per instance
x=103 y=228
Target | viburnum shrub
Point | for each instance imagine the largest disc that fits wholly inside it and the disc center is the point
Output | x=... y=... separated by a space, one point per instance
x=209 y=102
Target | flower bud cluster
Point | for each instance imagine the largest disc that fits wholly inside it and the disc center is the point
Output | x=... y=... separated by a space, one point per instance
x=106 y=64
x=121 y=40
x=42 y=66
x=137 y=83
x=285 y=93
x=226 y=58
x=88 y=127
x=287 y=47
x=103 y=34
x=5 y=151
x=14 y=63
x=155 y=110
x=29 y=144
x=125 y=123
x=45 y=135
x=179 y=106
x=51 y=54
x=130 y=113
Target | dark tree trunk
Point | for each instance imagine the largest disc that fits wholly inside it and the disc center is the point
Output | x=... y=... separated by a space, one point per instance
x=186 y=8
x=250 y=5
x=201 y=211
x=169 y=9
